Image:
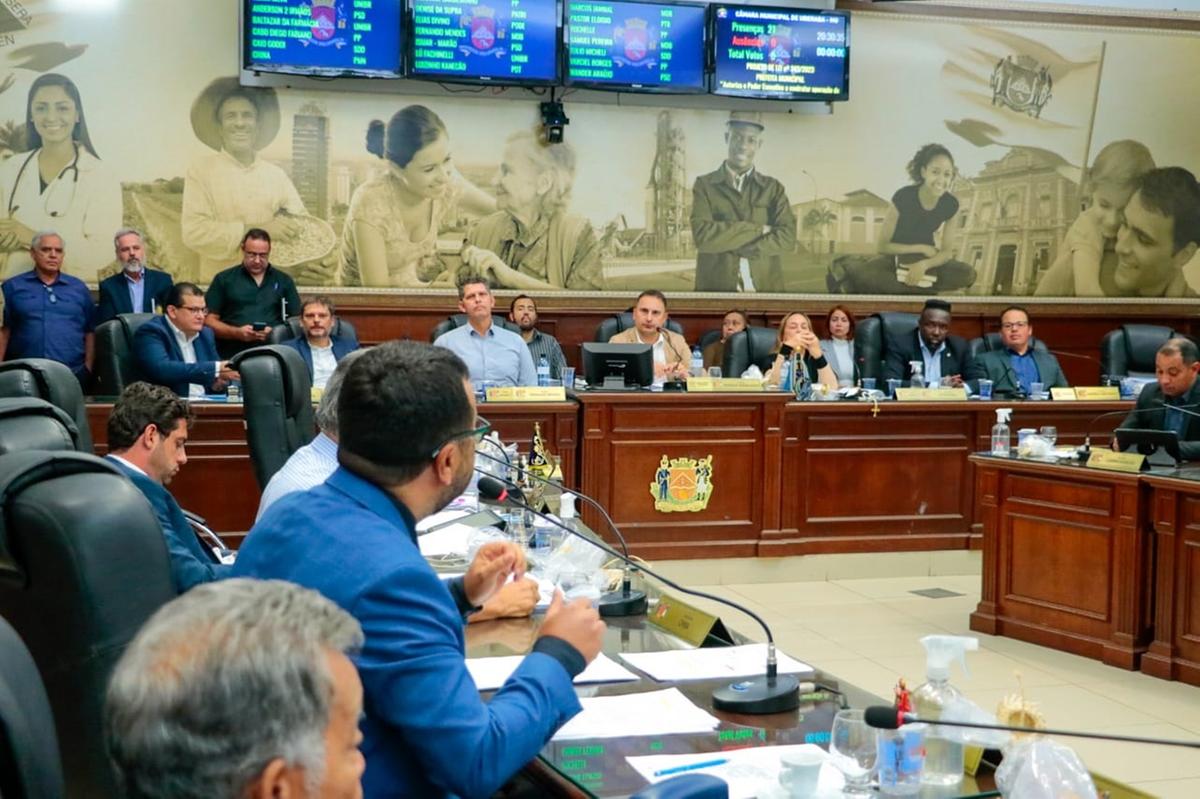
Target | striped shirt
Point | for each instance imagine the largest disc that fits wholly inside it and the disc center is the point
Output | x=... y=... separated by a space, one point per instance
x=542 y=344
x=308 y=467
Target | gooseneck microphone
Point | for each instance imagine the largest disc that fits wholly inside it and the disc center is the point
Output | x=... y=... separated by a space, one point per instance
x=888 y=718
x=1086 y=448
x=771 y=693
x=625 y=602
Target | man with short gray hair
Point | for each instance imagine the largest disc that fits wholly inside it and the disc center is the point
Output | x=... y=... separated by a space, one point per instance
x=238 y=689
x=136 y=288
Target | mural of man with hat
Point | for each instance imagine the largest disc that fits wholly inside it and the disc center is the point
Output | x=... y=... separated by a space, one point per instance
x=232 y=190
x=742 y=222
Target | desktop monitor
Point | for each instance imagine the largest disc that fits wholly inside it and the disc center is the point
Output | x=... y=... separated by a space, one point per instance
x=1161 y=447
x=618 y=366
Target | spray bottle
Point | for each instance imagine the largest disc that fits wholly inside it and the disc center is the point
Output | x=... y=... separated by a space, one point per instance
x=1001 y=435
x=943 y=756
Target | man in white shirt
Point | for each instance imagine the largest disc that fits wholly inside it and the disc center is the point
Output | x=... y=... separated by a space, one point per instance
x=671 y=351
x=176 y=350
x=322 y=351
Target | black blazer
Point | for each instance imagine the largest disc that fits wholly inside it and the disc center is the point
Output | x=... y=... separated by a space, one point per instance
x=901 y=350
x=1148 y=414
x=114 y=295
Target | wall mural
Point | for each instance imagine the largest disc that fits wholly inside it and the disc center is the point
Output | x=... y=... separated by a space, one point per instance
x=958 y=167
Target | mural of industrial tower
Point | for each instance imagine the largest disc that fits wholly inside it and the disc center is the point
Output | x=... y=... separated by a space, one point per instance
x=973 y=159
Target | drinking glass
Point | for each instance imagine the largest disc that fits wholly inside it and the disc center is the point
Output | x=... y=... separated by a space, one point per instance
x=714 y=371
x=868 y=383
x=1050 y=433
x=852 y=746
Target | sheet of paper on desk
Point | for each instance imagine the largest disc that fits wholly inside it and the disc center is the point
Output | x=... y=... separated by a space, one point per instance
x=450 y=540
x=710 y=664
x=751 y=772
x=441 y=517
x=666 y=712
x=490 y=673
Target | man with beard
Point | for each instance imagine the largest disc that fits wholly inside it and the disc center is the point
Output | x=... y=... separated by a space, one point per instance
x=137 y=288
x=407 y=433
x=318 y=346
x=147 y=434
x=523 y=312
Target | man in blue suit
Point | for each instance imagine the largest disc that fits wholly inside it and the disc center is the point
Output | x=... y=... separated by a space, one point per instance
x=147 y=434
x=138 y=288
x=176 y=350
x=407 y=432
x=318 y=346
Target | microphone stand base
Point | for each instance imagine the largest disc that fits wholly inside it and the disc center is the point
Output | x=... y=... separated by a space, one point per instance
x=617 y=603
x=758 y=697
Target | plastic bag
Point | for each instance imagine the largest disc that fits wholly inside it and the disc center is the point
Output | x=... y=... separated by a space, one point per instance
x=963 y=709
x=574 y=566
x=753 y=372
x=1038 y=768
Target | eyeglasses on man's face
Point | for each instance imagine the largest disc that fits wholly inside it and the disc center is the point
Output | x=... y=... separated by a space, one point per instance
x=482 y=428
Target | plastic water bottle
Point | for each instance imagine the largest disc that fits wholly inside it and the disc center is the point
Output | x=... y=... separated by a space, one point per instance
x=697 y=362
x=785 y=374
x=543 y=371
x=233 y=393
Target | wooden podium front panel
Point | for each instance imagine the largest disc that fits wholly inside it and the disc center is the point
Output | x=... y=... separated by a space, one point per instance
x=1175 y=512
x=625 y=437
x=1066 y=562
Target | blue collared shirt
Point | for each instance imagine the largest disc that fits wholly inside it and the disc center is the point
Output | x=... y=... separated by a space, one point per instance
x=933 y=361
x=498 y=357
x=308 y=467
x=48 y=320
x=1025 y=368
x=137 y=289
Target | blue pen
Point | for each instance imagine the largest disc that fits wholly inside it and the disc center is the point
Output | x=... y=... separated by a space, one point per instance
x=691 y=767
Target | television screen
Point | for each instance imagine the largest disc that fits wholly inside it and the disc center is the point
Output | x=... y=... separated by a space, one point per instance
x=780 y=53
x=508 y=41
x=322 y=37
x=641 y=46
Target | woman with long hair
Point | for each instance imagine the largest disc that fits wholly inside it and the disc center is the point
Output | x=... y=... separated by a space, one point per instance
x=796 y=338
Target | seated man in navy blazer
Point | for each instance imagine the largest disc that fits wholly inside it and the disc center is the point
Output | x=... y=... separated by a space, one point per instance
x=944 y=356
x=138 y=288
x=147 y=434
x=176 y=350
x=318 y=346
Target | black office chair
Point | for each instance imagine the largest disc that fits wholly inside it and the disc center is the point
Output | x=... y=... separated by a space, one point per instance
x=686 y=786
x=1129 y=350
x=871 y=336
x=620 y=322
x=29 y=423
x=293 y=329
x=754 y=345
x=52 y=382
x=992 y=342
x=460 y=319
x=115 y=365
x=83 y=564
x=276 y=404
x=708 y=337
x=30 y=764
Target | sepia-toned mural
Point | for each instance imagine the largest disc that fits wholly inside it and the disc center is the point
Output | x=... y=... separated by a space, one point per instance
x=972 y=159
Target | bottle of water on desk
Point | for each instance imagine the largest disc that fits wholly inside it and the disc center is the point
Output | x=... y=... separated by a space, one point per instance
x=697 y=363
x=233 y=393
x=543 y=371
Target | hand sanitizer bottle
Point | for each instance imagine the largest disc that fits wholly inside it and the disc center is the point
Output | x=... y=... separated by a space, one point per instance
x=943 y=755
x=1001 y=435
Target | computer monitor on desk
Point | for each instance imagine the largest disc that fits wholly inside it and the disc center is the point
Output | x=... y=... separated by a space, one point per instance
x=1161 y=447
x=618 y=367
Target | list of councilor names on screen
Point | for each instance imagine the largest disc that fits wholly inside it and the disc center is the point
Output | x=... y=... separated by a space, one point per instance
x=513 y=39
x=351 y=35
x=635 y=43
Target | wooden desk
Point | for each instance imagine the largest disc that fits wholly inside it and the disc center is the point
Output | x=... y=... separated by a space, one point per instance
x=218 y=480
x=1067 y=562
x=1174 y=519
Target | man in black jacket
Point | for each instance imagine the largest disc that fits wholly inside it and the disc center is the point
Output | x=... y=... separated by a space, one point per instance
x=1176 y=366
x=943 y=355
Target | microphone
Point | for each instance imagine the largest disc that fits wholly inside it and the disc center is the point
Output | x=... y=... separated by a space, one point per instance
x=771 y=693
x=626 y=602
x=883 y=717
x=1087 y=441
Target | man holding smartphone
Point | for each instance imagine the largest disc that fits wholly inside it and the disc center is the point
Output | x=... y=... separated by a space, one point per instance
x=246 y=301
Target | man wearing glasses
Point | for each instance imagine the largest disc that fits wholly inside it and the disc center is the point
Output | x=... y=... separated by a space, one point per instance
x=247 y=300
x=176 y=350
x=407 y=431
x=48 y=314
x=1014 y=369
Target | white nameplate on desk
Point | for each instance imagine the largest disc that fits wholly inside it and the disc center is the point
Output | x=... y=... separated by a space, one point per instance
x=941 y=394
x=527 y=394
x=705 y=384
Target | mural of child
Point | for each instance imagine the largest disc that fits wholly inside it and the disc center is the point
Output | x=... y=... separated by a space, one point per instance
x=391 y=231
x=1111 y=181
x=912 y=261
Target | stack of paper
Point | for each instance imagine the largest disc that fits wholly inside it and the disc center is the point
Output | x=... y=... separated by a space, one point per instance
x=440 y=518
x=452 y=539
x=751 y=772
x=490 y=673
x=666 y=712
x=711 y=664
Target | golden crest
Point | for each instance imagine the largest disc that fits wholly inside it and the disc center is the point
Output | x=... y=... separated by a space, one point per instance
x=682 y=484
x=542 y=462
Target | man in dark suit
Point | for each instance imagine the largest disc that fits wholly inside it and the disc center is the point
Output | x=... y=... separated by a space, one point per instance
x=1175 y=365
x=138 y=288
x=147 y=433
x=943 y=355
x=1014 y=369
x=176 y=350
x=318 y=346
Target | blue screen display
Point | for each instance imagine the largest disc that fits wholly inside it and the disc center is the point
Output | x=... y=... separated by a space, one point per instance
x=780 y=53
x=640 y=45
x=506 y=41
x=360 y=37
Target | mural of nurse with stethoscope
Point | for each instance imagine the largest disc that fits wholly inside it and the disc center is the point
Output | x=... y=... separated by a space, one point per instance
x=59 y=184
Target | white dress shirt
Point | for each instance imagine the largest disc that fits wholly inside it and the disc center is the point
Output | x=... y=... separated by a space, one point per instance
x=187 y=347
x=323 y=365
